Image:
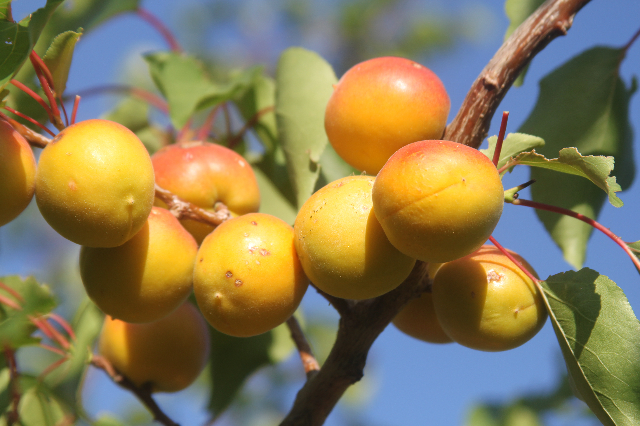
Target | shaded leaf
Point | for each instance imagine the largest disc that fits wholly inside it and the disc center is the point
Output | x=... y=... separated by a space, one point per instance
x=58 y=58
x=600 y=340
x=304 y=83
x=5 y=391
x=38 y=404
x=333 y=167
x=259 y=96
x=518 y=11
x=513 y=144
x=272 y=201
x=582 y=104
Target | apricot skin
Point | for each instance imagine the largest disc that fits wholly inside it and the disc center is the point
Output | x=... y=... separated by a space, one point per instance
x=485 y=302
x=204 y=174
x=17 y=173
x=248 y=279
x=147 y=277
x=341 y=245
x=438 y=200
x=94 y=183
x=382 y=104
x=167 y=355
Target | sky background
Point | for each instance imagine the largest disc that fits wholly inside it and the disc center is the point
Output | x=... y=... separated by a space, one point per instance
x=407 y=382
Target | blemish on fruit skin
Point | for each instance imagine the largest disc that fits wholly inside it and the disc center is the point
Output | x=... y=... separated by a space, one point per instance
x=264 y=252
x=188 y=156
x=201 y=259
x=254 y=223
x=68 y=153
x=72 y=185
x=228 y=274
x=238 y=283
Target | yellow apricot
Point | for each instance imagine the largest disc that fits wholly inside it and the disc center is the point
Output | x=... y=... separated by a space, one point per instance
x=438 y=200
x=17 y=173
x=145 y=278
x=95 y=184
x=167 y=355
x=248 y=279
x=485 y=302
x=204 y=174
x=341 y=245
x=382 y=104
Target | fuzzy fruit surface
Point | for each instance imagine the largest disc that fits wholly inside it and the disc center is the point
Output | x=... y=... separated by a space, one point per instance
x=485 y=302
x=204 y=174
x=17 y=173
x=248 y=279
x=95 y=184
x=341 y=245
x=382 y=104
x=418 y=318
x=167 y=355
x=145 y=278
x=438 y=200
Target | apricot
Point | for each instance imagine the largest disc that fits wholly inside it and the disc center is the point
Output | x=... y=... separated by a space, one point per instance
x=381 y=105
x=485 y=302
x=204 y=174
x=248 y=279
x=145 y=278
x=438 y=200
x=341 y=245
x=166 y=355
x=94 y=183
x=17 y=173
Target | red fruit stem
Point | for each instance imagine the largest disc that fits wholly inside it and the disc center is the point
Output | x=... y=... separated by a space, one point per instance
x=146 y=96
x=161 y=28
x=585 y=219
x=503 y=129
x=50 y=332
x=203 y=131
x=10 y=303
x=35 y=96
x=186 y=133
x=64 y=111
x=40 y=67
x=11 y=291
x=52 y=349
x=249 y=124
x=514 y=260
x=64 y=324
x=29 y=119
x=76 y=102
x=52 y=367
x=309 y=362
x=34 y=139
x=51 y=97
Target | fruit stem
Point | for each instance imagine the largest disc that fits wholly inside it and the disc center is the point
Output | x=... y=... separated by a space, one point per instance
x=182 y=209
x=52 y=349
x=50 y=331
x=40 y=67
x=203 y=131
x=585 y=219
x=64 y=324
x=34 y=138
x=512 y=194
x=248 y=125
x=11 y=291
x=29 y=119
x=161 y=28
x=142 y=94
x=76 y=102
x=48 y=89
x=514 y=260
x=630 y=42
x=186 y=133
x=52 y=367
x=503 y=129
x=310 y=364
x=10 y=303
x=35 y=96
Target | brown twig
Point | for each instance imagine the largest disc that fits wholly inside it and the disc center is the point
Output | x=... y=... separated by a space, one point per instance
x=552 y=19
x=35 y=139
x=185 y=210
x=13 y=415
x=343 y=306
x=309 y=362
x=143 y=394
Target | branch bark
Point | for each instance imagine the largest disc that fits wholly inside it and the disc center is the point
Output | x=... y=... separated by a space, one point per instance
x=552 y=19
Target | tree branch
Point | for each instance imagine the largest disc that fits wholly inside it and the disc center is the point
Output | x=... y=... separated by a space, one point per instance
x=552 y=19
x=309 y=362
x=185 y=210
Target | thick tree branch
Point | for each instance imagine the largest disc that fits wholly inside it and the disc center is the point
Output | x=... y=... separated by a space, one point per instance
x=552 y=19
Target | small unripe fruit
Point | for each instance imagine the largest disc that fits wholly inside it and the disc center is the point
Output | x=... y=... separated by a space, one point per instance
x=94 y=183
x=17 y=173
x=204 y=174
x=438 y=200
x=166 y=355
x=248 y=278
x=485 y=302
x=341 y=245
x=382 y=104
x=145 y=278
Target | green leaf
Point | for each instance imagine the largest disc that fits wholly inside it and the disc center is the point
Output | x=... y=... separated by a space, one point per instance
x=582 y=104
x=5 y=390
x=517 y=12
x=35 y=300
x=58 y=58
x=38 y=404
x=88 y=14
x=513 y=144
x=18 y=38
x=259 y=96
x=304 y=83
x=595 y=168
x=333 y=167
x=600 y=340
x=272 y=201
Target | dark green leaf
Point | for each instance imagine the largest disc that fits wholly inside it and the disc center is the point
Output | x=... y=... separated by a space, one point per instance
x=58 y=58
x=600 y=340
x=582 y=104
x=272 y=201
x=517 y=12
x=304 y=83
x=513 y=144
x=5 y=390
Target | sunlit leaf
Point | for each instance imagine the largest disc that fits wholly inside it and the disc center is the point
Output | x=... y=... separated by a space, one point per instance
x=304 y=83
x=258 y=101
x=600 y=340
x=513 y=144
x=59 y=56
x=582 y=104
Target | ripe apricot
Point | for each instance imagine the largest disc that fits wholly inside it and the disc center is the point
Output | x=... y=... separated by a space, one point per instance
x=485 y=302
x=382 y=104
x=17 y=173
x=438 y=200
x=167 y=355
x=94 y=183
x=248 y=279
x=145 y=278
x=204 y=174
x=341 y=245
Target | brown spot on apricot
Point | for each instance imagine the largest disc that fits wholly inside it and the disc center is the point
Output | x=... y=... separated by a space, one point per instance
x=228 y=274
x=264 y=252
x=72 y=185
x=238 y=283
x=254 y=223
